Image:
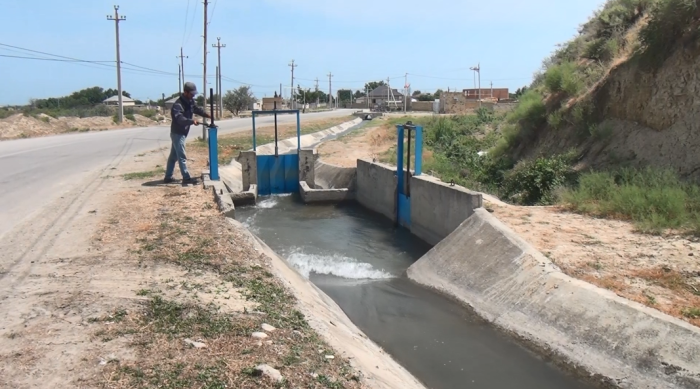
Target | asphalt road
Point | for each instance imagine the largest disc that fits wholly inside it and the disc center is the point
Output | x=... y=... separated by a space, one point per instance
x=34 y=172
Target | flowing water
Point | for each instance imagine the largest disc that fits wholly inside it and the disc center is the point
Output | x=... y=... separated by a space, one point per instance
x=359 y=259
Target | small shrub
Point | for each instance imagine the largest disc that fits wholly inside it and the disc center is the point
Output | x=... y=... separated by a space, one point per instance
x=555 y=119
x=534 y=182
x=5 y=113
x=668 y=21
x=149 y=113
x=601 y=131
x=563 y=78
x=130 y=116
x=45 y=119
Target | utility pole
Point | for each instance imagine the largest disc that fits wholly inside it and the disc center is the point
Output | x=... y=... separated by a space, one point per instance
x=291 y=86
x=219 y=46
x=179 y=79
x=477 y=69
x=204 y=77
x=492 y=89
x=216 y=90
x=330 y=88
x=316 y=93
x=182 y=65
x=117 y=19
x=405 y=88
x=388 y=90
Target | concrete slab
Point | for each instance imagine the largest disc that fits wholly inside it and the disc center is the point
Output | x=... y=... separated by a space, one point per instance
x=487 y=266
x=309 y=195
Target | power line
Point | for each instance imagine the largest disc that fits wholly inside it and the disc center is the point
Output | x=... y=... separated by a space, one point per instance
x=187 y=13
x=211 y=19
x=194 y=12
x=53 y=59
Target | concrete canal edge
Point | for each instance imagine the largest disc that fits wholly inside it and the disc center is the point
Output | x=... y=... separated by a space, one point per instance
x=487 y=266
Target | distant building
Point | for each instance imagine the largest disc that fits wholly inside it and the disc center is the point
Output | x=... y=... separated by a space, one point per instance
x=381 y=94
x=268 y=103
x=486 y=93
x=114 y=100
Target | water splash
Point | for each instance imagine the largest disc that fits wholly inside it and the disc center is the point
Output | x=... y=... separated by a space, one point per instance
x=336 y=265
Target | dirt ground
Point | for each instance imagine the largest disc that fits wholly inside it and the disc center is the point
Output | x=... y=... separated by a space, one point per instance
x=371 y=142
x=662 y=272
x=129 y=283
x=21 y=126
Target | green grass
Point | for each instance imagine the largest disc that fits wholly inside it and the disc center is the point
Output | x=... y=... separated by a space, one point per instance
x=143 y=175
x=654 y=199
x=182 y=320
x=691 y=313
x=149 y=113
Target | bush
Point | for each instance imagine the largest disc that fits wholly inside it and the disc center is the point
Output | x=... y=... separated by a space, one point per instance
x=522 y=122
x=149 y=113
x=563 y=78
x=5 y=113
x=534 y=182
x=555 y=119
x=654 y=199
x=130 y=116
x=669 y=20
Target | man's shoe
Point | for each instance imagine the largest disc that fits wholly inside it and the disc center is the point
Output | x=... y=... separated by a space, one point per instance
x=170 y=180
x=191 y=181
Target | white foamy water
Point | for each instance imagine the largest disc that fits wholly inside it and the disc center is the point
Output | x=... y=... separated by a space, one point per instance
x=336 y=265
x=267 y=203
x=271 y=201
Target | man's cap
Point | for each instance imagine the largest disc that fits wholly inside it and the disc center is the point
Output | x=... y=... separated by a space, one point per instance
x=190 y=87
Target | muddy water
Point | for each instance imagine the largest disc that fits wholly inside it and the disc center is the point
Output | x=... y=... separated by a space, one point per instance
x=359 y=260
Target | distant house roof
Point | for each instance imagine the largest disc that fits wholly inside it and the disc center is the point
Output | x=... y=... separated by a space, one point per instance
x=381 y=91
x=116 y=99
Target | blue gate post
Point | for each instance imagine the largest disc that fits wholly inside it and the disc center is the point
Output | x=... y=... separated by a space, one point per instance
x=399 y=159
x=213 y=143
x=213 y=153
x=419 y=151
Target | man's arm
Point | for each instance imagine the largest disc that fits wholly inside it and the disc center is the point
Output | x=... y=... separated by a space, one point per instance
x=199 y=111
x=178 y=117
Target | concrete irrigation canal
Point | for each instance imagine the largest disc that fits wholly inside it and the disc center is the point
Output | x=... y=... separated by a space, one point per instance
x=404 y=254
x=359 y=259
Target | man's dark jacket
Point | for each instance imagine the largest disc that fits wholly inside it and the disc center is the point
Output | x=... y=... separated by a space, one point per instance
x=182 y=112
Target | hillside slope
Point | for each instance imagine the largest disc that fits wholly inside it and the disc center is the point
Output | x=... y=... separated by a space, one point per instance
x=625 y=92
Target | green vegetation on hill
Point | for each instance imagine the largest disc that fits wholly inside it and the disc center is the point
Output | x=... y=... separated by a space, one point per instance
x=646 y=31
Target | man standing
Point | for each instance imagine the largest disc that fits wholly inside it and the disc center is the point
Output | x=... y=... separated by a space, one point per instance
x=182 y=114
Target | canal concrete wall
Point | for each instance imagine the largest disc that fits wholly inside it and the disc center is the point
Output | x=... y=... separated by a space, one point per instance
x=486 y=265
x=328 y=176
x=376 y=188
x=437 y=208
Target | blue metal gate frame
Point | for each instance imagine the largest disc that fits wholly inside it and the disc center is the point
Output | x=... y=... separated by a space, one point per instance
x=403 y=190
x=278 y=174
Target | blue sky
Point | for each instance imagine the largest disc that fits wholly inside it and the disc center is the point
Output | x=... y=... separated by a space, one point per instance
x=434 y=41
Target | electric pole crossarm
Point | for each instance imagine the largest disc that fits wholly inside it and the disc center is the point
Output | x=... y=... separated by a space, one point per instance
x=116 y=18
